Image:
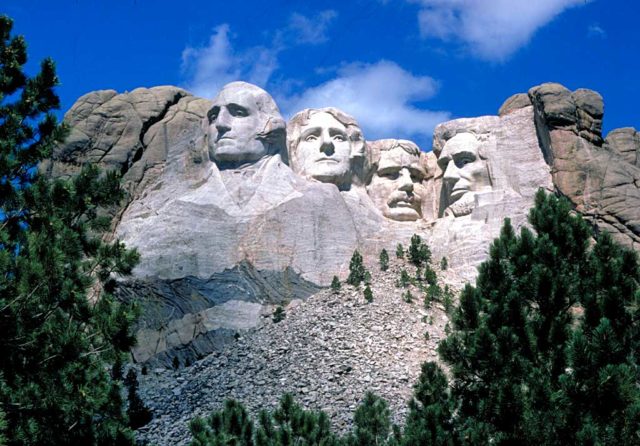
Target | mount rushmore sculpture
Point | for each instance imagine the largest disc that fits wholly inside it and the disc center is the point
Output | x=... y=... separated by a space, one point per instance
x=234 y=209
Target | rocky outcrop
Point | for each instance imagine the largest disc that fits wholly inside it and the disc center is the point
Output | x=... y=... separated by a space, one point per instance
x=626 y=143
x=133 y=133
x=601 y=178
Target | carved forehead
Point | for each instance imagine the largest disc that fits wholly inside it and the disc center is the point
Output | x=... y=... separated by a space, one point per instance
x=323 y=120
x=398 y=157
x=302 y=118
x=462 y=142
x=247 y=95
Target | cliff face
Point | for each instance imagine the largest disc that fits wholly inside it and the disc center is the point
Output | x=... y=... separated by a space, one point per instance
x=222 y=244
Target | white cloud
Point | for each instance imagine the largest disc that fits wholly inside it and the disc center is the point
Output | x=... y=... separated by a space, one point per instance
x=381 y=96
x=490 y=29
x=311 y=30
x=596 y=30
x=208 y=68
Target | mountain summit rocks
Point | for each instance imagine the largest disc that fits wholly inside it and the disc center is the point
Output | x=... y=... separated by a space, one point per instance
x=234 y=210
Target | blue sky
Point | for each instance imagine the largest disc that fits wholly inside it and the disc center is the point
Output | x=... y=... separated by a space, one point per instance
x=398 y=66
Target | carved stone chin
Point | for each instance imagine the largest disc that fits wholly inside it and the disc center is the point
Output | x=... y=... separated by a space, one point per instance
x=243 y=126
x=396 y=187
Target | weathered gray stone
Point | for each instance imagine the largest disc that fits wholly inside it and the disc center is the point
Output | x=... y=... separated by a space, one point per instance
x=626 y=143
x=601 y=181
x=515 y=102
x=556 y=102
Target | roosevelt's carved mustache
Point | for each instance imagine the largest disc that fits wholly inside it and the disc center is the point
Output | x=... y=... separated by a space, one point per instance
x=398 y=197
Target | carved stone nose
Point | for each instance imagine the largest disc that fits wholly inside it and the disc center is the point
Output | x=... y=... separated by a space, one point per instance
x=222 y=121
x=405 y=181
x=451 y=174
x=327 y=147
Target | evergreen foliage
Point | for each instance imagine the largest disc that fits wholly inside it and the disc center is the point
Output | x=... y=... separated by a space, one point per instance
x=419 y=252
x=544 y=348
x=279 y=314
x=430 y=275
x=444 y=264
x=291 y=424
x=288 y=424
x=139 y=414
x=335 y=285
x=384 y=260
x=357 y=271
x=230 y=426
x=430 y=419
x=400 y=251
x=372 y=423
x=404 y=280
x=60 y=326
x=408 y=297
x=368 y=294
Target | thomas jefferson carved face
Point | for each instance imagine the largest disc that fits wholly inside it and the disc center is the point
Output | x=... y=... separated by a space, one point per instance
x=465 y=172
x=322 y=143
x=240 y=123
x=324 y=148
x=396 y=187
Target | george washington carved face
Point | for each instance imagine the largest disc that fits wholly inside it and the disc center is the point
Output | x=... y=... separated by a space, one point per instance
x=244 y=125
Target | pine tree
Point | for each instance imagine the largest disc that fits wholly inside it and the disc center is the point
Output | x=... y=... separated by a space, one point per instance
x=290 y=424
x=139 y=414
x=278 y=314
x=357 y=271
x=384 y=260
x=372 y=423
x=544 y=348
x=335 y=285
x=430 y=411
x=400 y=251
x=408 y=297
x=368 y=294
x=444 y=264
x=419 y=252
x=404 y=280
x=60 y=326
x=430 y=275
x=230 y=426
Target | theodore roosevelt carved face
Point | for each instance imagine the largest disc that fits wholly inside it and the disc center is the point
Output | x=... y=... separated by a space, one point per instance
x=243 y=125
x=465 y=173
x=322 y=143
x=397 y=185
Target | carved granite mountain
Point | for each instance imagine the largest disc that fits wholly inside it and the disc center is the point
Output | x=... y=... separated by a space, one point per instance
x=227 y=229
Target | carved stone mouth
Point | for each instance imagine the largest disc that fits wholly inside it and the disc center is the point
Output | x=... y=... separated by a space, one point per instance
x=457 y=193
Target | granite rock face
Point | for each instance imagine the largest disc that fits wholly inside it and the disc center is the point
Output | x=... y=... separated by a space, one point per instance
x=227 y=229
x=600 y=177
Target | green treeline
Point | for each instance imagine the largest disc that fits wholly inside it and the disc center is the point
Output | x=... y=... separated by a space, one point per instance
x=60 y=326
